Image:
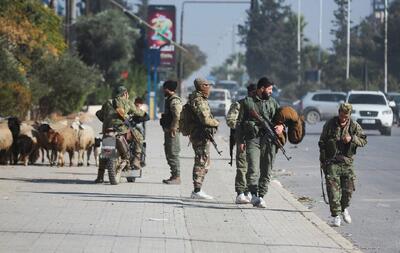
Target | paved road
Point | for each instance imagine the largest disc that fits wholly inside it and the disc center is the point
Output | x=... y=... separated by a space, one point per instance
x=50 y=209
x=375 y=207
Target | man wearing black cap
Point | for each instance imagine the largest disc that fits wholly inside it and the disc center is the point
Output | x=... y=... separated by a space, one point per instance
x=260 y=150
x=170 y=123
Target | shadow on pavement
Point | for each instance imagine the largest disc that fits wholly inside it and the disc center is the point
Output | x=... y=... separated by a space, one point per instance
x=185 y=202
x=49 y=180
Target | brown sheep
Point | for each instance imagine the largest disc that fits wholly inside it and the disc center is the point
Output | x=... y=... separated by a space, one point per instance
x=61 y=141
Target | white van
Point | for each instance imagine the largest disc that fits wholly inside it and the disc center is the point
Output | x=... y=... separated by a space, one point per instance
x=219 y=101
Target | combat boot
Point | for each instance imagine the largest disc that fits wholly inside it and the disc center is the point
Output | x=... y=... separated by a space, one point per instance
x=172 y=180
x=100 y=177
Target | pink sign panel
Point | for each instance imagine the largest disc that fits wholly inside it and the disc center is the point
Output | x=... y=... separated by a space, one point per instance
x=162 y=19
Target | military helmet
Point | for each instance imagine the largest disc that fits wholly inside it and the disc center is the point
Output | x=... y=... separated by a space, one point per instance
x=198 y=82
x=346 y=108
x=120 y=91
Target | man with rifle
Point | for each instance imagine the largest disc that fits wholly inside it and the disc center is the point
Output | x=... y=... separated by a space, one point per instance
x=201 y=135
x=243 y=194
x=260 y=148
x=339 y=140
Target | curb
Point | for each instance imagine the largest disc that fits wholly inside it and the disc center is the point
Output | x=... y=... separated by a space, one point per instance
x=315 y=220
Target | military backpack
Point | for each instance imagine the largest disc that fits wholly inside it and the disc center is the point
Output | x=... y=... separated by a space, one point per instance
x=187 y=120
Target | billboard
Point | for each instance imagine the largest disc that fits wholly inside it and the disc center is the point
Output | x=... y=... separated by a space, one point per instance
x=162 y=19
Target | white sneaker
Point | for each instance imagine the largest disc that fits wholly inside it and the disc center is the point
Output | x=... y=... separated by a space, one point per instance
x=254 y=200
x=242 y=199
x=200 y=195
x=336 y=221
x=261 y=203
x=258 y=202
x=249 y=196
x=346 y=216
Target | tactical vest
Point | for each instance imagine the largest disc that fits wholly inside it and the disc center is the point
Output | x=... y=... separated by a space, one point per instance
x=334 y=145
x=166 y=118
x=249 y=124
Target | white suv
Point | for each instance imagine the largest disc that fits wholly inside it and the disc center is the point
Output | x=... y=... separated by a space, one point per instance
x=320 y=105
x=371 y=110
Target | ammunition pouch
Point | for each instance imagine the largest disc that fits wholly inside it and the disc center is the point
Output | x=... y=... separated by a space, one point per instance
x=330 y=149
x=250 y=130
x=165 y=120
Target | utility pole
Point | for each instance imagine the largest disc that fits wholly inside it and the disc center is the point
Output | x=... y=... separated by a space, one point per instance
x=348 y=40
x=298 y=42
x=320 y=42
x=386 y=46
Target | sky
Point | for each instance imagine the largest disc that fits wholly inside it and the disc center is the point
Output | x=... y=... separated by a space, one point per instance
x=213 y=27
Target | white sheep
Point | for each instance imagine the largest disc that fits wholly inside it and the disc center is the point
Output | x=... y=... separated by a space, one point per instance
x=85 y=141
x=6 y=141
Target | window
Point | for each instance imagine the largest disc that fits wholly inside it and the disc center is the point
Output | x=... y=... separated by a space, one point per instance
x=367 y=99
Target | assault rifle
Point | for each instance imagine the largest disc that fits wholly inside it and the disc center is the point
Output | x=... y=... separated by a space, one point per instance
x=209 y=136
x=231 y=145
x=266 y=125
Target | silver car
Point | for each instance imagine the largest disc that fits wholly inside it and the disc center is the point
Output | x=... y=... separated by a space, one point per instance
x=321 y=105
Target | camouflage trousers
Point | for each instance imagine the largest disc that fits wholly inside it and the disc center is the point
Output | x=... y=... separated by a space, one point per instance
x=260 y=155
x=201 y=161
x=138 y=139
x=241 y=171
x=339 y=186
x=172 y=149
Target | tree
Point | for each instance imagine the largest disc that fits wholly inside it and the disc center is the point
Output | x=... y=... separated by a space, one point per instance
x=270 y=37
x=15 y=99
x=193 y=61
x=68 y=82
x=106 y=40
x=231 y=69
x=335 y=69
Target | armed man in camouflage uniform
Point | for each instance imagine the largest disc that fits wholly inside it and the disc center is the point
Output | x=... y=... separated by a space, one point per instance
x=200 y=143
x=170 y=124
x=338 y=142
x=243 y=194
x=113 y=114
x=260 y=150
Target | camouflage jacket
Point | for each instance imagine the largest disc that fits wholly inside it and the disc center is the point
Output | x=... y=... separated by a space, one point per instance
x=110 y=118
x=173 y=108
x=201 y=109
x=247 y=126
x=233 y=114
x=331 y=145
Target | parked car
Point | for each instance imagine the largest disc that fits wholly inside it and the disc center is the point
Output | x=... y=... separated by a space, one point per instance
x=371 y=110
x=219 y=101
x=395 y=97
x=230 y=85
x=320 y=105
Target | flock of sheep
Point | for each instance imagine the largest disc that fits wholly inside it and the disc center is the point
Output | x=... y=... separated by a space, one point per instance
x=27 y=141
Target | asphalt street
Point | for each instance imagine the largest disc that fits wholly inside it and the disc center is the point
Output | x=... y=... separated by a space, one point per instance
x=375 y=208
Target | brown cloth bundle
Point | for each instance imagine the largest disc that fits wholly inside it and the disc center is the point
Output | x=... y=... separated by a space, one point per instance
x=295 y=124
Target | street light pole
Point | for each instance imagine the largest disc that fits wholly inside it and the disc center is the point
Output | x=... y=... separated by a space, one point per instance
x=320 y=42
x=386 y=47
x=348 y=41
x=298 y=42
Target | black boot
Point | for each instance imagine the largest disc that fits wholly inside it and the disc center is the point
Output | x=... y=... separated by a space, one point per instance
x=100 y=177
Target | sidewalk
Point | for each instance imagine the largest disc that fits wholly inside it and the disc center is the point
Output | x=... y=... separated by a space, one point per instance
x=45 y=209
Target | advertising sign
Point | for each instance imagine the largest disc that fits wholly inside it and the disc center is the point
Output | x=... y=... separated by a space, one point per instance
x=162 y=19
